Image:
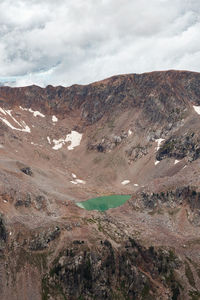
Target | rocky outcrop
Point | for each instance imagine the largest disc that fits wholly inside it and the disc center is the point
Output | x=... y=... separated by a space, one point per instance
x=40 y=202
x=155 y=93
x=181 y=146
x=107 y=143
x=23 y=200
x=3 y=234
x=41 y=240
x=171 y=200
x=27 y=171
x=136 y=152
x=132 y=272
x=3 y=237
x=26 y=200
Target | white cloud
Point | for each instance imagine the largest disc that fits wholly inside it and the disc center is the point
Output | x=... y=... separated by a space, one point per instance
x=65 y=42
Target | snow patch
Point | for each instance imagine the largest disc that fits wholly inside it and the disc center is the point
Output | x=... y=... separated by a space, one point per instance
x=74 y=137
x=54 y=119
x=34 y=144
x=159 y=142
x=49 y=140
x=125 y=182
x=35 y=113
x=24 y=127
x=1 y=146
x=58 y=144
x=136 y=184
x=80 y=205
x=197 y=109
x=74 y=182
x=23 y=108
x=176 y=161
x=130 y=132
x=157 y=162
x=80 y=181
x=2 y=111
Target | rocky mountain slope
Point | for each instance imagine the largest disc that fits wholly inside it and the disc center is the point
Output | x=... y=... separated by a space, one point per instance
x=129 y=134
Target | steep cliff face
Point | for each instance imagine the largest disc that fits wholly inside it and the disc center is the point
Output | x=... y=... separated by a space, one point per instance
x=155 y=93
x=132 y=272
x=128 y=134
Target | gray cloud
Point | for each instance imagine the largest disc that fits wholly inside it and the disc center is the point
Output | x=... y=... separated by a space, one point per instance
x=65 y=42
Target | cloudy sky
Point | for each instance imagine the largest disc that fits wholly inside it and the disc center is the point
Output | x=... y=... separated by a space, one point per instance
x=81 y=41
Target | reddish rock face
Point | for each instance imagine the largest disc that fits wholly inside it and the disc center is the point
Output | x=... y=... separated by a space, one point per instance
x=128 y=134
x=156 y=93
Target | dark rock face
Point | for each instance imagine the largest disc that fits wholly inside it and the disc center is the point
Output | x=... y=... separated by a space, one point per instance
x=80 y=272
x=42 y=240
x=100 y=148
x=171 y=199
x=3 y=234
x=180 y=147
x=27 y=171
x=3 y=237
x=107 y=143
x=23 y=200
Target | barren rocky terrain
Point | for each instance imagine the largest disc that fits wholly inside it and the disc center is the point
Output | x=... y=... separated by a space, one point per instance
x=129 y=134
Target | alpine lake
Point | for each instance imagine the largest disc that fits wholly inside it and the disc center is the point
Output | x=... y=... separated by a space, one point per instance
x=104 y=202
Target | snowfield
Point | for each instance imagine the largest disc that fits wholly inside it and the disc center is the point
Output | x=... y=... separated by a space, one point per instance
x=74 y=137
x=24 y=127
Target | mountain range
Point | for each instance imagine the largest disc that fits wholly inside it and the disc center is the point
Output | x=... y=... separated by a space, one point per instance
x=135 y=134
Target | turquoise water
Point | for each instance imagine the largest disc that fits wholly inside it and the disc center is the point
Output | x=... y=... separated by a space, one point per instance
x=103 y=203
